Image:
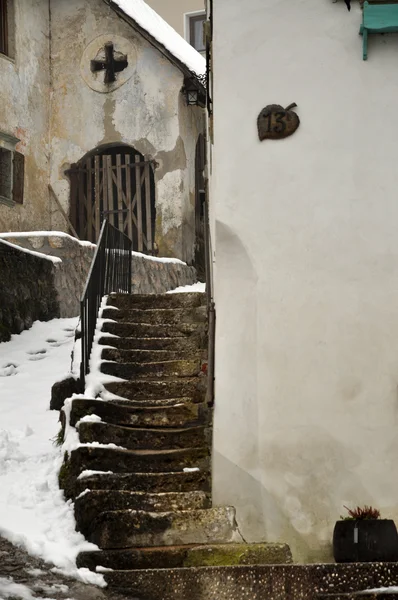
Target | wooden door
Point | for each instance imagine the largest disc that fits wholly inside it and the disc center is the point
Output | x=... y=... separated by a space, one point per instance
x=116 y=185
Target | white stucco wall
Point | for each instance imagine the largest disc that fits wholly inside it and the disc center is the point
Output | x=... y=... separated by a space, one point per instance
x=174 y=11
x=24 y=112
x=306 y=271
x=148 y=112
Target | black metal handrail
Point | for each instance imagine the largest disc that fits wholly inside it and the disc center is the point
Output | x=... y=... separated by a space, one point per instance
x=110 y=271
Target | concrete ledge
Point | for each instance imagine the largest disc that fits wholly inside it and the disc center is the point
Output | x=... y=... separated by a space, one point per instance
x=261 y=582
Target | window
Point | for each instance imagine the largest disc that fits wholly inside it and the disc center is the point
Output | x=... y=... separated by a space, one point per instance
x=3 y=27
x=12 y=170
x=7 y=30
x=194 y=30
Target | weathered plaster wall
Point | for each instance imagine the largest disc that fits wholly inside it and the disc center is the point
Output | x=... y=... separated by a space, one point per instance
x=147 y=112
x=24 y=112
x=27 y=290
x=307 y=271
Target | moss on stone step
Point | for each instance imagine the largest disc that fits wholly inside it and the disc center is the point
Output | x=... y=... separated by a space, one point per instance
x=237 y=554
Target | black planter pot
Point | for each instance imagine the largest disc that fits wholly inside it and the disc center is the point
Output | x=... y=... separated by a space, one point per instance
x=373 y=540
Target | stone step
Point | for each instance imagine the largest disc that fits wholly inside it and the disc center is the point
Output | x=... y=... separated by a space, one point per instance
x=158 y=403
x=382 y=595
x=143 y=330
x=182 y=412
x=91 y=503
x=150 y=356
x=176 y=344
x=146 y=482
x=144 y=439
x=172 y=368
x=257 y=582
x=150 y=389
x=147 y=301
x=169 y=557
x=117 y=460
x=132 y=528
x=157 y=316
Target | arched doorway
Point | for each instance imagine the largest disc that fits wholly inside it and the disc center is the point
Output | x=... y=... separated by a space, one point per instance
x=114 y=183
x=200 y=199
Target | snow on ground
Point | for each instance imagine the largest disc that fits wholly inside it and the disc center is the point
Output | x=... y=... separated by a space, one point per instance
x=12 y=590
x=33 y=512
x=196 y=287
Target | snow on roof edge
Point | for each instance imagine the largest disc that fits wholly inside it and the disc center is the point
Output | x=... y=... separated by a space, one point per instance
x=162 y=32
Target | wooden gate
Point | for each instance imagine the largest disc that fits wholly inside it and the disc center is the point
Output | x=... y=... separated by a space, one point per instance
x=117 y=185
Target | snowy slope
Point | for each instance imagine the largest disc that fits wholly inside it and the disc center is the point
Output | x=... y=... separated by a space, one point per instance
x=33 y=512
x=153 y=23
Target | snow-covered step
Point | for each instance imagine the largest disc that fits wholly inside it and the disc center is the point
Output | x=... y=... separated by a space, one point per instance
x=157 y=316
x=186 y=300
x=168 y=557
x=91 y=503
x=181 y=412
x=171 y=368
x=178 y=481
x=147 y=389
x=119 y=460
x=131 y=528
x=144 y=438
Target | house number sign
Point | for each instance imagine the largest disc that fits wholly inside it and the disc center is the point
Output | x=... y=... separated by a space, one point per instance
x=275 y=122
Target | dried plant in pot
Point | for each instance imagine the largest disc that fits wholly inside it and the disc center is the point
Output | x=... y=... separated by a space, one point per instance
x=362 y=536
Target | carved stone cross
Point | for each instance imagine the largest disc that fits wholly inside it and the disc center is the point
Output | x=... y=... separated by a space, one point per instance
x=112 y=64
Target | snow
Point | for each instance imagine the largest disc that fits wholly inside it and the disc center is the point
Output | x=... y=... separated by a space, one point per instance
x=86 y=491
x=33 y=511
x=157 y=27
x=383 y=590
x=95 y=380
x=53 y=259
x=89 y=419
x=162 y=259
x=16 y=234
x=88 y=473
x=196 y=287
x=10 y=589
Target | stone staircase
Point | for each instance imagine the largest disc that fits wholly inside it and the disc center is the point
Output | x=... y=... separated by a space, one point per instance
x=142 y=492
x=141 y=484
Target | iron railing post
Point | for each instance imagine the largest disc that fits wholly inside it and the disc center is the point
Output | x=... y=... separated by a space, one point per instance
x=107 y=274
